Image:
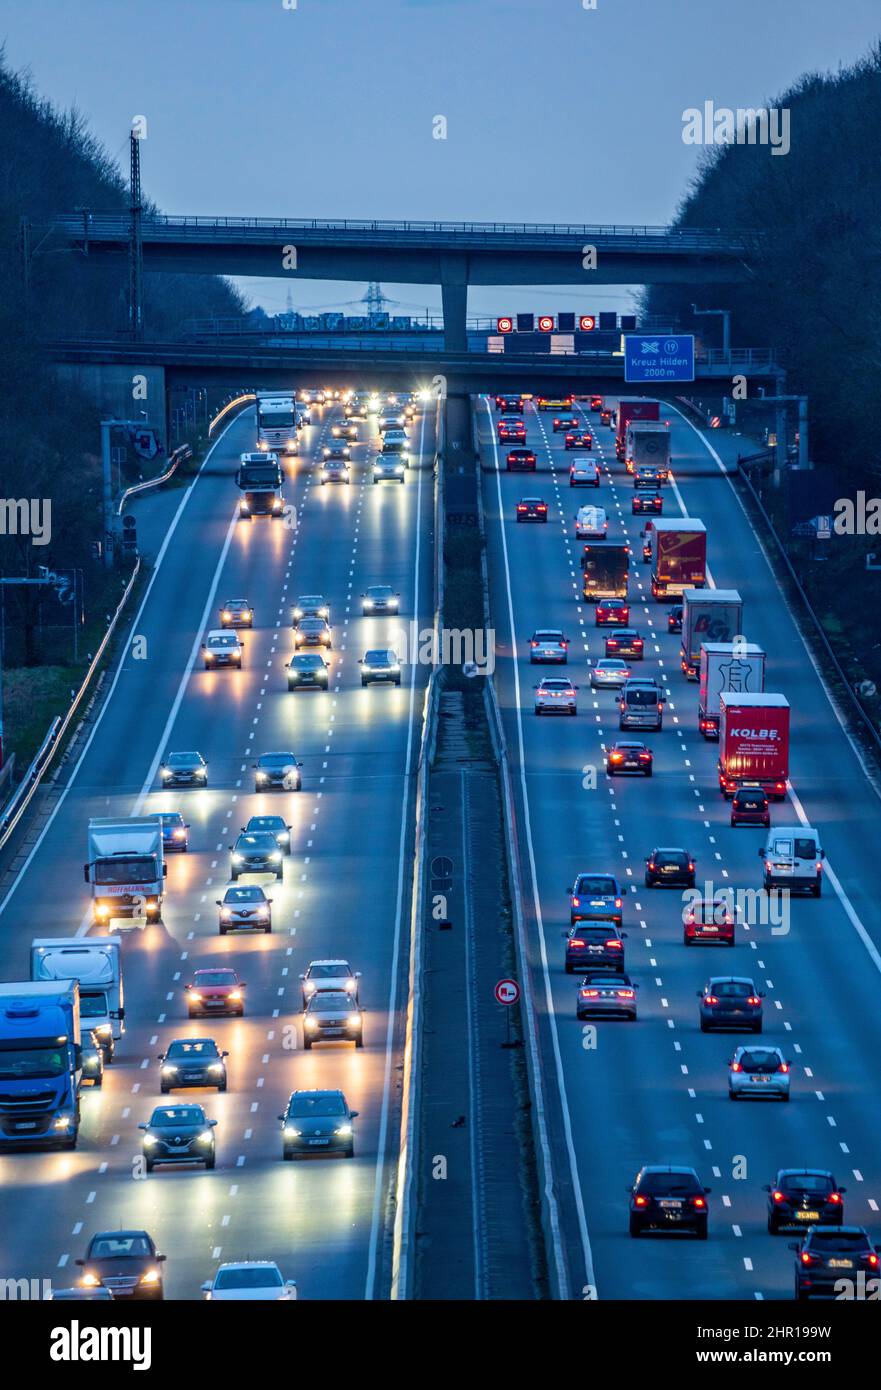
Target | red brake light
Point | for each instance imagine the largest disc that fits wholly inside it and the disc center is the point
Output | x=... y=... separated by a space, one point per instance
x=576 y=941
x=753 y=999
x=779 y=1197
x=806 y=1257
x=710 y=999
x=641 y=1201
x=784 y=1067
x=617 y=902
x=736 y=1066
x=576 y=902
x=698 y=1202
x=590 y=994
x=613 y=944
x=834 y=1197
x=625 y=993
x=873 y=1260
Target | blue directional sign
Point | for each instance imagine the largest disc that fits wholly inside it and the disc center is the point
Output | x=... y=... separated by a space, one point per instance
x=662 y=358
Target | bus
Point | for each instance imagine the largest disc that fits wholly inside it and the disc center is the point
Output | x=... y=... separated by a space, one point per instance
x=276 y=422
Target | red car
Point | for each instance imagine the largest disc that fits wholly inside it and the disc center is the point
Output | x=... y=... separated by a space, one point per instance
x=711 y=919
x=532 y=509
x=511 y=431
x=596 y=402
x=565 y=422
x=642 y=503
x=749 y=804
x=578 y=439
x=216 y=990
x=612 y=612
x=521 y=461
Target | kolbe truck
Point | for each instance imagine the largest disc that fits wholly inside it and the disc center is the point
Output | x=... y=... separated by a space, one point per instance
x=753 y=743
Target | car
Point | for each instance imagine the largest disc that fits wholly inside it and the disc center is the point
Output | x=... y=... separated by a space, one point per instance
x=830 y=1260
x=521 y=461
x=750 y=806
x=759 y=1073
x=556 y=697
x=596 y=898
x=379 y=598
x=606 y=418
x=175 y=831
x=249 y=1281
x=278 y=770
x=255 y=853
x=396 y=442
x=647 y=502
x=596 y=403
x=666 y=1198
x=588 y=944
x=509 y=405
x=625 y=642
x=184 y=770
x=346 y=429
x=584 y=474
x=273 y=825
x=730 y=1001
x=709 y=919
x=313 y=632
x=317 y=1122
x=216 y=989
x=310 y=606
x=578 y=439
x=334 y=470
x=556 y=403
x=531 y=509
x=125 y=1262
x=237 y=612
x=804 y=1198
x=591 y=523
x=793 y=859
x=390 y=419
x=380 y=664
x=611 y=612
x=178 y=1134
x=641 y=704
x=629 y=756
x=548 y=644
x=647 y=476
x=389 y=468
x=93 y=1058
x=222 y=648
x=329 y=975
x=192 y=1062
x=605 y=673
x=674 y=618
x=565 y=422
x=244 y=907
x=307 y=671
x=511 y=430
x=607 y=994
x=332 y=1015
x=672 y=867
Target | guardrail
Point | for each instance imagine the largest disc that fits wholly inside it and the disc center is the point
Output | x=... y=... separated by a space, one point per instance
x=176 y=458
x=238 y=403
x=21 y=797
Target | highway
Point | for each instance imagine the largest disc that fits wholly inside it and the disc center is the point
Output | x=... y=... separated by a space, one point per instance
x=655 y=1091
x=345 y=891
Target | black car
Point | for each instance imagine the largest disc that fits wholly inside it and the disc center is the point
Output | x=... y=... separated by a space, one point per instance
x=256 y=852
x=629 y=756
x=307 y=670
x=531 y=509
x=271 y=825
x=589 y=947
x=668 y=1199
x=672 y=867
x=192 y=1062
x=317 y=1122
x=804 y=1198
x=830 y=1260
x=730 y=1001
x=627 y=643
x=178 y=1134
x=125 y=1262
x=674 y=618
x=644 y=502
x=184 y=770
x=380 y=665
x=379 y=598
x=277 y=770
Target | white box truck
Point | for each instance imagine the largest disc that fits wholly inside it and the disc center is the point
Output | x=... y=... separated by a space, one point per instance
x=126 y=870
x=708 y=615
x=97 y=964
x=732 y=667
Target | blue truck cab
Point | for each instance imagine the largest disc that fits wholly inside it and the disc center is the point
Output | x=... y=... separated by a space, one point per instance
x=40 y=1064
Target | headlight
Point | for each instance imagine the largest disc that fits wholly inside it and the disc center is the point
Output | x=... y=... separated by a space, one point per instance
x=169 y=1069
x=236 y=994
x=226 y=615
x=178 y=834
x=353 y=1020
x=206 y=1136
x=291 y=1133
x=308 y=987
x=395 y=667
x=152 y=902
x=280 y=839
x=311 y=1024
x=261 y=912
x=103 y=1030
x=102 y=910
x=194 y=997
x=275 y=858
x=150 y=1139
x=201 y=772
x=90 y=1280
x=209 y=656
x=164 y=772
x=298 y=612
x=216 y=1066
x=150 y=1276
x=344 y=1130
x=350 y=986
x=238 y=858
x=225 y=914
x=368 y=603
x=261 y=776
x=62 y=1122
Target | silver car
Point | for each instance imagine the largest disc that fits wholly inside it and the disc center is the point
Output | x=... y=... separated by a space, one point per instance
x=332 y=1016
x=329 y=974
x=606 y=993
x=389 y=468
x=759 y=1072
x=554 y=696
x=245 y=907
x=548 y=644
x=379 y=598
x=609 y=672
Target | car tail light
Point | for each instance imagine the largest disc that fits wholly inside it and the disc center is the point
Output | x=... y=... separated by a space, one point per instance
x=617 y=902
x=819 y=867
x=780 y=787
x=645 y=757
x=533 y=644
x=651 y=863
x=690 y=867
x=806 y=1257
x=779 y=1197
x=576 y=941
x=576 y=902
x=873 y=1259
x=699 y=1202
x=753 y=999
x=613 y=944
x=834 y=1197
x=617 y=757
x=640 y=1201
x=590 y=994
x=736 y=1066
x=624 y=993
x=710 y=999
x=784 y=1067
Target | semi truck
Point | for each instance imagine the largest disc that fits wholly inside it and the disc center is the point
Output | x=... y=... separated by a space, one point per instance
x=96 y=963
x=737 y=668
x=708 y=615
x=647 y=444
x=632 y=408
x=277 y=422
x=40 y=1064
x=753 y=743
x=604 y=570
x=679 y=556
x=259 y=480
x=126 y=870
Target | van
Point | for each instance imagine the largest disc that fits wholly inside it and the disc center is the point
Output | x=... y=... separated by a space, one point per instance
x=591 y=523
x=641 y=705
x=794 y=859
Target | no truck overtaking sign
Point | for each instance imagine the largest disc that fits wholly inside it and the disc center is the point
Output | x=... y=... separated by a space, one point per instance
x=507 y=991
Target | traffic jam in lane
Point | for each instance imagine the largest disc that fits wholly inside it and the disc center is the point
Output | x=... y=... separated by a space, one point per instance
x=729 y=1116
x=224 y=1020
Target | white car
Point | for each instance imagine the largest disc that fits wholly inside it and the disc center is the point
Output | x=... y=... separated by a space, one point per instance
x=389 y=468
x=793 y=859
x=591 y=523
x=329 y=975
x=584 y=475
x=759 y=1073
x=222 y=648
x=249 y=1281
x=555 y=696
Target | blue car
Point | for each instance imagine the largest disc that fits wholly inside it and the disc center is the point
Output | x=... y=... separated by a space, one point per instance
x=596 y=898
x=175 y=831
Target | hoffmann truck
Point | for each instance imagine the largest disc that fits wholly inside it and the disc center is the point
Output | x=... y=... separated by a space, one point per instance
x=708 y=615
x=679 y=556
x=754 y=743
x=735 y=668
x=97 y=963
x=126 y=869
x=633 y=408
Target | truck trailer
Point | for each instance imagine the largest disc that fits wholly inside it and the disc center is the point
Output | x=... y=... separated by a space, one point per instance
x=754 y=743
x=96 y=963
x=604 y=570
x=647 y=444
x=737 y=668
x=679 y=556
x=632 y=408
x=126 y=870
x=708 y=615
x=40 y=1064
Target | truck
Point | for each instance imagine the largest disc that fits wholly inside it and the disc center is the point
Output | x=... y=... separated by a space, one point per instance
x=647 y=444
x=679 y=556
x=40 y=1064
x=753 y=743
x=96 y=963
x=604 y=570
x=126 y=870
x=736 y=668
x=708 y=615
x=277 y=422
x=632 y=408
x=259 y=479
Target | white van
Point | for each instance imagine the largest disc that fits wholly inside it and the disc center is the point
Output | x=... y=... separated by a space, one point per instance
x=794 y=859
x=591 y=524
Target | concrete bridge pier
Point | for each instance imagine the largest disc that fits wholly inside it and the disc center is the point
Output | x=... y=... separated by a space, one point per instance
x=454 y=299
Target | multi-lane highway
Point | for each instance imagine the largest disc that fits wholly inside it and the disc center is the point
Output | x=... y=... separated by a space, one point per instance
x=655 y=1091
x=344 y=893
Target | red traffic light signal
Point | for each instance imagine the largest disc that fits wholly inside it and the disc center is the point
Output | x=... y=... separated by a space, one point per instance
x=587 y=323
x=546 y=323
x=504 y=325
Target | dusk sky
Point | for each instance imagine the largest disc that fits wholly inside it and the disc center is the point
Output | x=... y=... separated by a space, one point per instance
x=554 y=112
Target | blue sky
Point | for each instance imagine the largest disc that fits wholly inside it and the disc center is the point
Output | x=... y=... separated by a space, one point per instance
x=554 y=112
